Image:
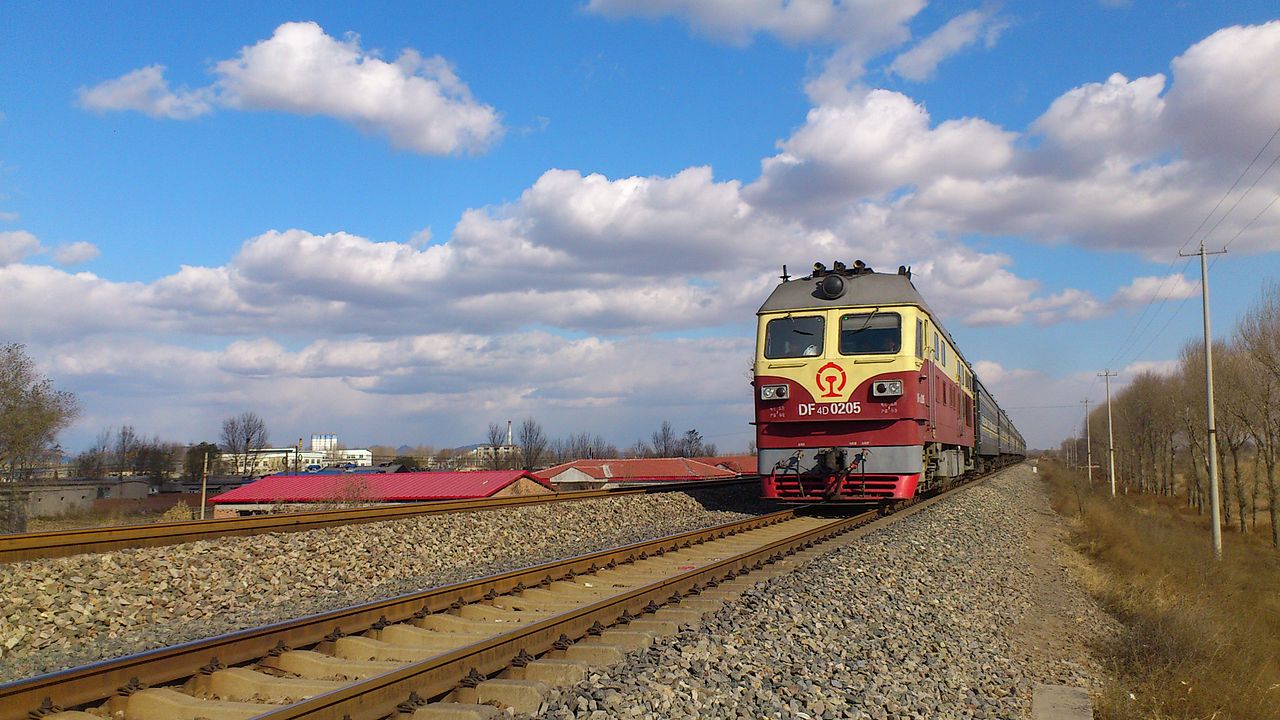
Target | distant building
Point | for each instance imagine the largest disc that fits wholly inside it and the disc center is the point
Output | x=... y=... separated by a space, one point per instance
x=325 y=452
x=63 y=498
x=309 y=490
x=598 y=474
x=485 y=456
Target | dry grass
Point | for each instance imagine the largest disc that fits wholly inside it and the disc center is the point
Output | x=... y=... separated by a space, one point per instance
x=1203 y=638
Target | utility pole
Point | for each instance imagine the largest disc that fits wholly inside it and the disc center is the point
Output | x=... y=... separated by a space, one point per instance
x=1111 y=442
x=1215 y=514
x=204 y=483
x=1088 y=442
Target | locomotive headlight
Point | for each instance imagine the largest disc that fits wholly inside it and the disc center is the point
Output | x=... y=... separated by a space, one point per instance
x=886 y=388
x=774 y=392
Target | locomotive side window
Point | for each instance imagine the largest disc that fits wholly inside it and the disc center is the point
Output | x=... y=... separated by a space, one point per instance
x=920 y=339
x=871 y=334
x=793 y=337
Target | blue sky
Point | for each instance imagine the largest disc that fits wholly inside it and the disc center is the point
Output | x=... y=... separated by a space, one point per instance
x=401 y=224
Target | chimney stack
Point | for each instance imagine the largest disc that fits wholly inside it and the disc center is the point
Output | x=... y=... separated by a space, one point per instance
x=508 y=433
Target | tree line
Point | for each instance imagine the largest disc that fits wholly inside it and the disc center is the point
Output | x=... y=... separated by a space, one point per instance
x=1159 y=424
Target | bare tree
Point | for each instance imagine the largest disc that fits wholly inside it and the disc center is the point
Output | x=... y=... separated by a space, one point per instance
x=126 y=447
x=583 y=446
x=1258 y=333
x=532 y=442
x=95 y=462
x=244 y=436
x=640 y=449
x=664 y=441
x=497 y=459
x=32 y=411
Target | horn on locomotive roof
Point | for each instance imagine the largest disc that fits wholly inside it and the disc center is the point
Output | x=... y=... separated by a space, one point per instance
x=819 y=269
x=838 y=267
x=905 y=270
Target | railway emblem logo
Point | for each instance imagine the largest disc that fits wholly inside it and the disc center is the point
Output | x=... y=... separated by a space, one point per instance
x=831 y=378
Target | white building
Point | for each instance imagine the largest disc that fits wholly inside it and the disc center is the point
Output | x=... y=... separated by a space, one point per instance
x=325 y=451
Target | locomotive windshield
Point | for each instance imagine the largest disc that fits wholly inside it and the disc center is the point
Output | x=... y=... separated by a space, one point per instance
x=871 y=334
x=792 y=337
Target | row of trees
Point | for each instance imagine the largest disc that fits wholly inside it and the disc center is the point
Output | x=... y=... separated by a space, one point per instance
x=530 y=448
x=123 y=451
x=1159 y=424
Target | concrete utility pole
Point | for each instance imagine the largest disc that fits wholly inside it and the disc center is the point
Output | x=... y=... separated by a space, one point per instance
x=1088 y=442
x=1111 y=443
x=1216 y=513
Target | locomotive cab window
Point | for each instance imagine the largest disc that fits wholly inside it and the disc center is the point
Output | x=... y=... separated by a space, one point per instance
x=793 y=337
x=871 y=334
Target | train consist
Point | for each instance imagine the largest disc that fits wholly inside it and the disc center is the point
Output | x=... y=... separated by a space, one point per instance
x=862 y=396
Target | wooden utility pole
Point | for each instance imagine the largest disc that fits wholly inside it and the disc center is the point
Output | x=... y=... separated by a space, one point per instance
x=1212 y=431
x=1111 y=442
x=1088 y=442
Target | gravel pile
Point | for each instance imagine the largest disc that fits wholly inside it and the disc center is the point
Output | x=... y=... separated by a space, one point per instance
x=927 y=618
x=64 y=612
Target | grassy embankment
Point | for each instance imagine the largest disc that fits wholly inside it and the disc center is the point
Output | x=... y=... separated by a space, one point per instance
x=1203 y=638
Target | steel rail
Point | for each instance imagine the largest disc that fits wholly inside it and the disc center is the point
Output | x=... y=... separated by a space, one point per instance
x=90 y=683
x=379 y=696
x=61 y=543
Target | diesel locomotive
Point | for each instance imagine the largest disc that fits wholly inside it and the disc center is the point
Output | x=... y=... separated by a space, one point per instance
x=861 y=396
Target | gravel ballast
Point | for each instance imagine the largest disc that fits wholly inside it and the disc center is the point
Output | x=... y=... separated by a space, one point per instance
x=954 y=612
x=64 y=612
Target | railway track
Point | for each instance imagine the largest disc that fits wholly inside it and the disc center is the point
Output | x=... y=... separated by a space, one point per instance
x=61 y=543
x=439 y=652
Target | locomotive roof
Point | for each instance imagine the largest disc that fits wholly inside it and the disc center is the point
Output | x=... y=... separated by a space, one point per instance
x=869 y=289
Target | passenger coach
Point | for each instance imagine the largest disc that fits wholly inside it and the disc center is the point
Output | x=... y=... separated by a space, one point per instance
x=862 y=396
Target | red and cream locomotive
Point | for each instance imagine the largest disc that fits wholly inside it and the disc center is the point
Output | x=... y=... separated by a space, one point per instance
x=862 y=396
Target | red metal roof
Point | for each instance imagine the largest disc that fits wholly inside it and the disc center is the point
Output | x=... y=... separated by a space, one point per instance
x=374 y=487
x=742 y=464
x=639 y=469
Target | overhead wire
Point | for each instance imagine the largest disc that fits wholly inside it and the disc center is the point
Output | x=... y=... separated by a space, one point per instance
x=1165 y=291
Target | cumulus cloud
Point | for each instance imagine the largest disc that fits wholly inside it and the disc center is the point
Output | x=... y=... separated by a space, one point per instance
x=1120 y=164
x=871 y=146
x=6 y=216
x=17 y=245
x=1146 y=289
x=961 y=31
x=146 y=91
x=418 y=102
x=75 y=253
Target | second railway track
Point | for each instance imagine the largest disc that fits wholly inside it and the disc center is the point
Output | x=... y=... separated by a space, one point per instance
x=491 y=639
x=61 y=543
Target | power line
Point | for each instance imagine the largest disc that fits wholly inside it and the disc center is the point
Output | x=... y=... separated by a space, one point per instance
x=1230 y=190
x=1165 y=291
x=1252 y=220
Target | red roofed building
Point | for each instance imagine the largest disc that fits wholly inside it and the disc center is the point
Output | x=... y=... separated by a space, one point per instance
x=273 y=491
x=596 y=474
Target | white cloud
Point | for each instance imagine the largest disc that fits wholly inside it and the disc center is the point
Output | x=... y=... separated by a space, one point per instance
x=1156 y=367
x=871 y=146
x=17 y=245
x=75 y=253
x=418 y=102
x=1146 y=289
x=8 y=216
x=961 y=31
x=868 y=23
x=146 y=91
